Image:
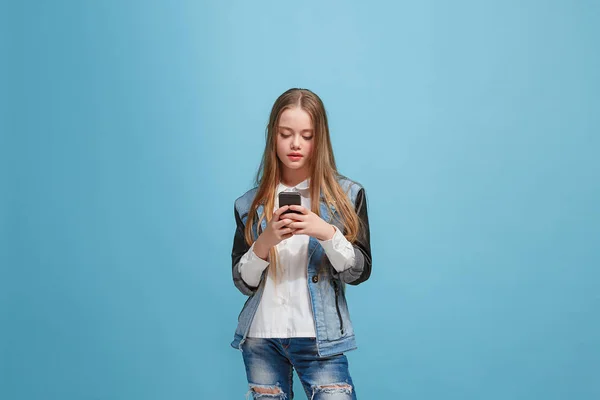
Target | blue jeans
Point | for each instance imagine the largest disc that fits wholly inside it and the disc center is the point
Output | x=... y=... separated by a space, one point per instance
x=270 y=362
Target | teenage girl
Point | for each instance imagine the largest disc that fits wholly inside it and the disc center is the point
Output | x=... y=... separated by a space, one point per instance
x=293 y=262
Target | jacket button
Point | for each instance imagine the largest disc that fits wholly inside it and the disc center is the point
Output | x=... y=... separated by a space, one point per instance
x=315 y=278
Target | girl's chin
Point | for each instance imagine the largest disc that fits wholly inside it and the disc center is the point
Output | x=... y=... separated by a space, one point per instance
x=294 y=165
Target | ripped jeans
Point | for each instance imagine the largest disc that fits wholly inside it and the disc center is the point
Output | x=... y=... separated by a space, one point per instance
x=270 y=362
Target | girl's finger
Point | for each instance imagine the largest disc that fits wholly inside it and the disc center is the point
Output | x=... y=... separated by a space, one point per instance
x=281 y=223
x=286 y=231
x=279 y=211
x=296 y=217
x=278 y=224
x=303 y=210
x=297 y=225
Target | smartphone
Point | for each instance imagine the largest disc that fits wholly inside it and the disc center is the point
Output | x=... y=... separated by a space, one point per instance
x=289 y=199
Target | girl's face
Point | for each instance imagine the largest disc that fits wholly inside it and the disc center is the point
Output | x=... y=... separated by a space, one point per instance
x=295 y=137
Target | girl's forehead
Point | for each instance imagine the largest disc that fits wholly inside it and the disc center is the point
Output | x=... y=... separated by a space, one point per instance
x=296 y=119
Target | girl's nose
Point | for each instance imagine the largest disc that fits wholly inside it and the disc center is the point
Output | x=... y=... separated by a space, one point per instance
x=296 y=142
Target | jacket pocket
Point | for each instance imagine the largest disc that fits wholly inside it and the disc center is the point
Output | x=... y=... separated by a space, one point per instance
x=336 y=287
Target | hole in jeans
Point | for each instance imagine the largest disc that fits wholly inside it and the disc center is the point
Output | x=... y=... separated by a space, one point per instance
x=267 y=391
x=333 y=388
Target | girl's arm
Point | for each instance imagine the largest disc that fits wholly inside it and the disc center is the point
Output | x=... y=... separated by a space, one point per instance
x=339 y=251
x=247 y=267
x=357 y=270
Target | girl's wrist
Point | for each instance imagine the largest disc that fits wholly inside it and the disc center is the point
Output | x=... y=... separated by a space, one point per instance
x=260 y=249
x=328 y=232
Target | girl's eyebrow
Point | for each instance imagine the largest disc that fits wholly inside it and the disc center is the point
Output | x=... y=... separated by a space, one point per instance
x=288 y=128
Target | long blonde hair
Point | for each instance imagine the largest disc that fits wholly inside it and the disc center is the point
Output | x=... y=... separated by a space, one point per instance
x=323 y=177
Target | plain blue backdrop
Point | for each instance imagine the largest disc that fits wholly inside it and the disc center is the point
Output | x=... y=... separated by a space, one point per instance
x=130 y=127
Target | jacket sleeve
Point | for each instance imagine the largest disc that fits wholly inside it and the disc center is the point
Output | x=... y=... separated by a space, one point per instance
x=360 y=271
x=240 y=248
x=339 y=251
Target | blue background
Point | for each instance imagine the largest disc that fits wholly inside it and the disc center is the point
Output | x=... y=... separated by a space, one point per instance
x=129 y=128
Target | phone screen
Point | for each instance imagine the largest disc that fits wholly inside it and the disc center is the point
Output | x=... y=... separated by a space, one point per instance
x=289 y=199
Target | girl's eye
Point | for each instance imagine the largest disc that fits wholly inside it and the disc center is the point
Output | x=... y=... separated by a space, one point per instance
x=285 y=135
x=307 y=137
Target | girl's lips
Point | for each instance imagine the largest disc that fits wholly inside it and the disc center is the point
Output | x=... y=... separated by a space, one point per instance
x=294 y=157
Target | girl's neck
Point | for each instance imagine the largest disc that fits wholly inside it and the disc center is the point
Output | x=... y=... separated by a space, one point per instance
x=292 y=178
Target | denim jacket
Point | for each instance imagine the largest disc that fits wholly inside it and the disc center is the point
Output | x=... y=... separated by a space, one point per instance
x=327 y=287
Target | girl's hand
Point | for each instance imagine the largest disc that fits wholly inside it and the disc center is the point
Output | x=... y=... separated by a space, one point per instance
x=277 y=230
x=309 y=223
